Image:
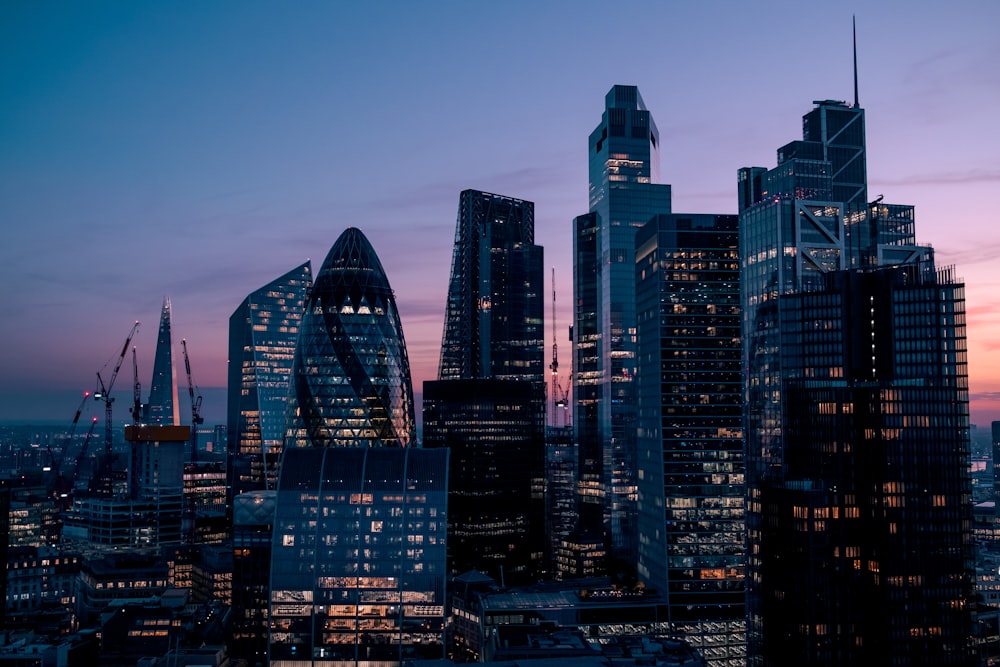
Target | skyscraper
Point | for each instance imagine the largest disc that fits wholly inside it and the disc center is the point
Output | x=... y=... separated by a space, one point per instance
x=358 y=562
x=691 y=491
x=856 y=417
x=262 y=335
x=623 y=155
x=494 y=324
x=351 y=375
x=488 y=404
x=495 y=430
x=163 y=408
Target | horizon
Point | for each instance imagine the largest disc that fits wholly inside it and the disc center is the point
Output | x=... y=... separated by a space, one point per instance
x=198 y=152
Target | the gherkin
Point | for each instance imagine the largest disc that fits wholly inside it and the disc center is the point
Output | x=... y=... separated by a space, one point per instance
x=350 y=382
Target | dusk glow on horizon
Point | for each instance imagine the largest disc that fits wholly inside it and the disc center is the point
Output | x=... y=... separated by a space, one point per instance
x=199 y=151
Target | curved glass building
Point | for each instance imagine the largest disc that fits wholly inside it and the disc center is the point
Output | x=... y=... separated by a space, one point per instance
x=351 y=376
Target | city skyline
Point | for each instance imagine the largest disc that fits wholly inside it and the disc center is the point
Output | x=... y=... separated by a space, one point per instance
x=153 y=151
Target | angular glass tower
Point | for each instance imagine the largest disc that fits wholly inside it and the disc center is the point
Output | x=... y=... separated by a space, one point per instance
x=358 y=558
x=691 y=492
x=163 y=408
x=624 y=163
x=494 y=324
x=488 y=405
x=351 y=376
x=856 y=417
x=262 y=335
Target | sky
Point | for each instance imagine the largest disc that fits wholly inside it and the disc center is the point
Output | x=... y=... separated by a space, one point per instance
x=198 y=150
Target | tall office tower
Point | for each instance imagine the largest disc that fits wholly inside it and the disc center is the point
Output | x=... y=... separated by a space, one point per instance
x=494 y=320
x=856 y=418
x=351 y=376
x=358 y=562
x=262 y=335
x=495 y=430
x=691 y=516
x=163 y=407
x=623 y=153
x=488 y=404
x=253 y=520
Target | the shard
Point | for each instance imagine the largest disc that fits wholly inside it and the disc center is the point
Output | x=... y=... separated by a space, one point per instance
x=162 y=408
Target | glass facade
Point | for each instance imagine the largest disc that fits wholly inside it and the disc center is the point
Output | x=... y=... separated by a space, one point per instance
x=495 y=430
x=690 y=444
x=623 y=170
x=163 y=407
x=351 y=376
x=856 y=418
x=358 y=564
x=262 y=335
x=494 y=320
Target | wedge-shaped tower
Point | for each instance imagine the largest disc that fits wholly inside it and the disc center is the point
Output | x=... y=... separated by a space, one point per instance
x=263 y=331
x=350 y=381
x=163 y=406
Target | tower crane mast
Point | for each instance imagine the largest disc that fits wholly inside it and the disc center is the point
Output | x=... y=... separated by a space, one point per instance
x=196 y=417
x=103 y=393
x=560 y=398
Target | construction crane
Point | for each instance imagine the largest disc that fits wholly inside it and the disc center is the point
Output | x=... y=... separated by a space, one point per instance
x=560 y=395
x=103 y=393
x=55 y=462
x=136 y=408
x=82 y=455
x=196 y=417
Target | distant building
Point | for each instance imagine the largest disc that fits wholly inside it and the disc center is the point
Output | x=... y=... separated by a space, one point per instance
x=995 y=432
x=262 y=335
x=350 y=374
x=623 y=156
x=690 y=431
x=859 y=507
x=359 y=556
x=163 y=408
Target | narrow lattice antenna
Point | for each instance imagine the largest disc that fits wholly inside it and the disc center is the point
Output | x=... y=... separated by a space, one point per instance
x=854 y=27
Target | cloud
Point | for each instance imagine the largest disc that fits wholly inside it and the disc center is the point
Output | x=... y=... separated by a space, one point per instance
x=943 y=178
x=981 y=252
x=985 y=397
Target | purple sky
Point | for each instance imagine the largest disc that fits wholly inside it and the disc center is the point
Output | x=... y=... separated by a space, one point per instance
x=199 y=150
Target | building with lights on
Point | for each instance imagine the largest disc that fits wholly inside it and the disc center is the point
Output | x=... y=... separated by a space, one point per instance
x=350 y=379
x=859 y=510
x=262 y=335
x=358 y=565
x=623 y=157
x=690 y=437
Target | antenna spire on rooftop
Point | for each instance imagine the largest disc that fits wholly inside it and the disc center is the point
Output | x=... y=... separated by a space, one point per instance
x=854 y=27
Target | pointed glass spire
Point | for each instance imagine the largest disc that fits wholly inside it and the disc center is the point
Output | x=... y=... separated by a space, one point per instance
x=162 y=407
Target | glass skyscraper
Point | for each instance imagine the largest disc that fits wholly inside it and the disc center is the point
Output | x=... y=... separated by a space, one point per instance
x=163 y=408
x=488 y=404
x=351 y=375
x=358 y=558
x=494 y=324
x=495 y=430
x=262 y=335
x=690 y=444
x=623 y=155
x=856 y=417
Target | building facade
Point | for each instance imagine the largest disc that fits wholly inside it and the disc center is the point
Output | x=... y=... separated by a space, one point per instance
x=358 y=564
x=495 y=431
x=163 y=407
x=350 y=374
x=856 y=417
x=690 y=444
x=262 y=335
x=623 y=157
x=494 y=324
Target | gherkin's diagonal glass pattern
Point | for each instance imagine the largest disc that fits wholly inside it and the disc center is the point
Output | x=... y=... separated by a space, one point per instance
x=351 y=376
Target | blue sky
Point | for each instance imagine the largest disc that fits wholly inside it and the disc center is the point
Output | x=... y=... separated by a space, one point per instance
x=199 y=150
